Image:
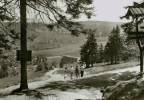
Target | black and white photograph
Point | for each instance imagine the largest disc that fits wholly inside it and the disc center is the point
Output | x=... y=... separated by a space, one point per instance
x=71 y=49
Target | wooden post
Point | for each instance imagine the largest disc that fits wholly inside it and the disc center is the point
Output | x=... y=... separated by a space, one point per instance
x=23 y=42
x=140 y=49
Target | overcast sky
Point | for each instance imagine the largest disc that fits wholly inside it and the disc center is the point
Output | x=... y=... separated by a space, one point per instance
x=111 y=10
x=108 y=10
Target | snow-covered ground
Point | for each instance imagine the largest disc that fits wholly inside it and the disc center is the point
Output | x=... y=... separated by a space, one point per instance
x=52 y=76
x=91 y=94
x=118 y=71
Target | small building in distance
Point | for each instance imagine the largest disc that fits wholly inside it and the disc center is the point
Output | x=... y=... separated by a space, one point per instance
x=69 y=61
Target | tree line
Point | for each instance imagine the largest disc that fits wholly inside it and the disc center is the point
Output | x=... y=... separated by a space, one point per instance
x=113 y=52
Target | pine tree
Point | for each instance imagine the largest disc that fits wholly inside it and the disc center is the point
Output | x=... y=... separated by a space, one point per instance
x=7 y=36
x=89 y=50
x=6 y=41
x=108 y=52
x=101 y=53
x=114 y=46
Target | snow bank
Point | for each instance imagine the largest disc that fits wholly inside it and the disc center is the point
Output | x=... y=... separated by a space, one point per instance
x=125 y=90
x=91 y=94
x=118 y=71
x=48 y=77
x=53 y=76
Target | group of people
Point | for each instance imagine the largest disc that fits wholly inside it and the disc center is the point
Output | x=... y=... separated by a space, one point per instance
x=74 y=72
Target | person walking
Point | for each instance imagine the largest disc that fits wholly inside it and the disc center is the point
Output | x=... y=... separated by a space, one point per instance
x=77 y=72
x=65 y=72
x=71 y=72
x=82 y=71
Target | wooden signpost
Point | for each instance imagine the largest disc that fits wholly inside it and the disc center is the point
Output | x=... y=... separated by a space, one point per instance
x=139 y=33
x=135 y=35
x=20 y=55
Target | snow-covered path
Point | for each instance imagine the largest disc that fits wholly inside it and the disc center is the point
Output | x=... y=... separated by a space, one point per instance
x=118 y=71
x=52 y=76
x=91 y=94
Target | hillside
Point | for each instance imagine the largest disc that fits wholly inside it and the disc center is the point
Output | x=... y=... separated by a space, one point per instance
x=40 y=38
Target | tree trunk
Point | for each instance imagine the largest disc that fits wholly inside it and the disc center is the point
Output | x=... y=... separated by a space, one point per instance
x=141 y=63
x=140 y=49
x=111 y=60
x=92 y=65
x=23 y=84
x=115 y=58
x=87 y=65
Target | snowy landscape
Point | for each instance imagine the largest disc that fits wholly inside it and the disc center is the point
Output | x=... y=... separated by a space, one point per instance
x=71 y=50
x=72 y=93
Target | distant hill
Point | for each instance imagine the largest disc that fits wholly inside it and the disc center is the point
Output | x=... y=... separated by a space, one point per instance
x=41 y=38
x=103 y=28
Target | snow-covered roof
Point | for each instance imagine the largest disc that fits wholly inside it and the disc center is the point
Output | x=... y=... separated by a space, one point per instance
x=69 y=59
x=136 y=10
